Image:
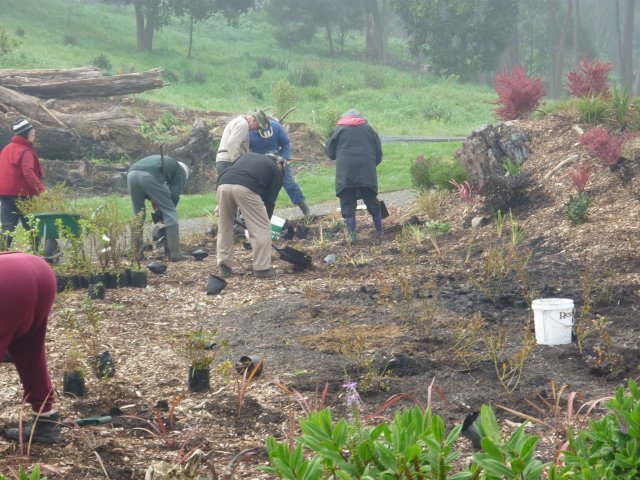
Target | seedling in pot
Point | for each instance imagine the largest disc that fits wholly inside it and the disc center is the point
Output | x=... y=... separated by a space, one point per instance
x=199 y=349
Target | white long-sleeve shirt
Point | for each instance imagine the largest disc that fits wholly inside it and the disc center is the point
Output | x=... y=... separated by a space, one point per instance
x=234 y=141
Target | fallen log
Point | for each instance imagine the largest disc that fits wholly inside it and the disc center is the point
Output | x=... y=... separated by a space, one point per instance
x=33 y=108
x=14 y=78
x=94 y=87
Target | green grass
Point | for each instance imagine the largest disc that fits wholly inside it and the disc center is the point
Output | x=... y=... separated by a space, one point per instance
x=404 y=104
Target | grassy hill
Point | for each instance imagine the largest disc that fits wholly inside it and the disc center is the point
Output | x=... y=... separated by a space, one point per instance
x=240 y=69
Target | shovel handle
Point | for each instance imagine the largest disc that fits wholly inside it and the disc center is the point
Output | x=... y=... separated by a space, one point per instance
x=83 y=422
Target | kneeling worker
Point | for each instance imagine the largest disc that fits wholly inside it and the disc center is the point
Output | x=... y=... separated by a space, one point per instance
x=252 y=183
x=160 y=179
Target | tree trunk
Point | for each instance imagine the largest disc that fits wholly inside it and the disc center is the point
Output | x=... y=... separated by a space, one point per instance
x=626 y=50
x=89 y=87
x=190 y=35
x=557 y=80
x=14 y=78
x=576 y=31
x=330 y=38
x=375 y=32
x=551 y=35
x=144 y=29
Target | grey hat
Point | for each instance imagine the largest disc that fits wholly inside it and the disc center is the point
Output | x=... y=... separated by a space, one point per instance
x=22 y=127
x=352 y=113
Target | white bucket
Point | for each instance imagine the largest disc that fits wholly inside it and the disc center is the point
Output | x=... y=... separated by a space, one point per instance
x=276 y=227
x=553 y=319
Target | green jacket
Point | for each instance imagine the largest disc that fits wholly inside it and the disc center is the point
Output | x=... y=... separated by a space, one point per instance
x=174 y=176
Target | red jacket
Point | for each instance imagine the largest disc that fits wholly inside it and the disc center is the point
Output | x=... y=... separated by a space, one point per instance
x=20 y=169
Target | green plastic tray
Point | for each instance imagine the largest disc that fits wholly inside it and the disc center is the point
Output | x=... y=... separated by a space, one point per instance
x=47 y=227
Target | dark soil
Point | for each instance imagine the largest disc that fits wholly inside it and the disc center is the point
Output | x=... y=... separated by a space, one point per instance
x=389 y=315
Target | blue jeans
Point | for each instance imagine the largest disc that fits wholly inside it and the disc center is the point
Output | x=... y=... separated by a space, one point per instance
x=291 y=186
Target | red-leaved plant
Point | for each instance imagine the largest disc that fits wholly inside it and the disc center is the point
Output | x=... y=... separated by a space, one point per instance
x=465 y=190
x=580 y=175
x=606 y=147
x=590 y=80
x=518 y=95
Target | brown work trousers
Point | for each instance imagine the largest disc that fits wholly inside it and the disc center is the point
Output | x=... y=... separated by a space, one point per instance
x=230 y=197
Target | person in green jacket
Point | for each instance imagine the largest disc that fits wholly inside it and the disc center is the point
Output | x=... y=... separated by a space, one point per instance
x=161 y=179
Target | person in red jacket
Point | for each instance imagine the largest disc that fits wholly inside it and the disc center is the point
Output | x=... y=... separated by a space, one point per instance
x=27 y=292
x=20 y=176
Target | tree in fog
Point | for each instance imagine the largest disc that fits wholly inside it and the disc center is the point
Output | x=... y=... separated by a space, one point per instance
x=463 y=37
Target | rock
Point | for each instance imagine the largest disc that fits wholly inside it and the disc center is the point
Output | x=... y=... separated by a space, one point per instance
x=477 y=222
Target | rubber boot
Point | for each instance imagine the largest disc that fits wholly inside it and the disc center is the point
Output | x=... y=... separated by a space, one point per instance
x=46 y=429
x=173 y=242
x=351 y=227
x=304 y=208
x=377 y=222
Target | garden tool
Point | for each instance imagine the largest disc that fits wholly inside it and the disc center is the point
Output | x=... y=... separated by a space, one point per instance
x=98 y=420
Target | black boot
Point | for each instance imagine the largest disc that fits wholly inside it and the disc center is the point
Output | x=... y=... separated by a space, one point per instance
x=46 y=429
x=377 y=221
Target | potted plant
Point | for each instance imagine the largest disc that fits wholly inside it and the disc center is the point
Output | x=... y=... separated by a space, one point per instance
x=73 y=376
x=198 y=347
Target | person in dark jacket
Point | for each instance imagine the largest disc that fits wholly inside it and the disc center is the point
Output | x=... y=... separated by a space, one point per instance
x=161 y=179
x=356 y=148
x=274 y=139
x=27 y=291
x=251 y=183
x=20 y=176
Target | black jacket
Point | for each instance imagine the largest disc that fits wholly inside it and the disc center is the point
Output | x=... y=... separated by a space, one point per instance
x=357 y=151
x=258 y=173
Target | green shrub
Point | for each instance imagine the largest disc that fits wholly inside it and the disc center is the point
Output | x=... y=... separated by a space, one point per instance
x=169 y=76
x=6 y=43
x=592 y=109
x=443 y=171
x=194 y=77
x=608 y=448
x=430 y=172
x=305 y=76
x=327 y=119
x=576 y=208
x=434 y=111
x=421 y=172
x=20 y=32
x=69 y=40
x=284 y=96
x=103 y=62
x=374 y=78
x=268 y=63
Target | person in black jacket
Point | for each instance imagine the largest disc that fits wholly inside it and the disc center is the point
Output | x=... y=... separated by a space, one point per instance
x=251 y=183
x=161 y=179
x=357 y=150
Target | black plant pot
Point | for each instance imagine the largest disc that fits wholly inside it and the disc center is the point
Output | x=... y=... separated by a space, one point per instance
x=248 y=364
x=96 y=291
x=215 y=285
x=80 y=282
x=63 y=283
x=302 y=232
x=199 y=380
x=104 y=365
x=122 y=278
x=139 y=279
x=111 y=280
x=74 y=384
x=96 y=278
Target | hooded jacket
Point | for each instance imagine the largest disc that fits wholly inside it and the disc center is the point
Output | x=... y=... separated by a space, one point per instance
x=20 y=169
x=356 y=148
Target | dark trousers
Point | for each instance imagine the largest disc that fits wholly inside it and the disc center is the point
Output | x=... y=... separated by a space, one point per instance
x=349 y=201
x=10 y=216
